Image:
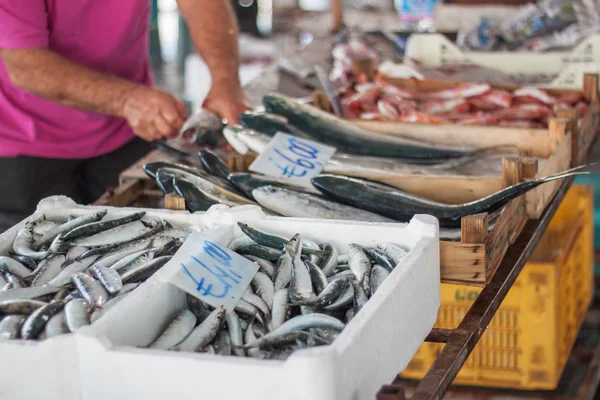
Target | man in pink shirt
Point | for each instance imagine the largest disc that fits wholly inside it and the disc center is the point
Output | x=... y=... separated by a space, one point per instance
x=75 y=91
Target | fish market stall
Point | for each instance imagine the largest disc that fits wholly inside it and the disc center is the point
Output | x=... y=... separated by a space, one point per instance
x=132 y=306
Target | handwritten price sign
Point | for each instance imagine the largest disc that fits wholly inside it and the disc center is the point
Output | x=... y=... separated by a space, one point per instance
x=291 y=157
x=211 y=272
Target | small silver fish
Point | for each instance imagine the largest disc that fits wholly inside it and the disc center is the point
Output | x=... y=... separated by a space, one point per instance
x=109 y=278
x=204 y=333
x=57 y=325
x=77 y=313
x=90 y=289
x=179 y=329
x=235 y=332
x=10 y=327
x=263 y=286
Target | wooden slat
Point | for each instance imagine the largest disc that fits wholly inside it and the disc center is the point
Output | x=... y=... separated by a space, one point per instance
x=474 y=228
x=174 y=202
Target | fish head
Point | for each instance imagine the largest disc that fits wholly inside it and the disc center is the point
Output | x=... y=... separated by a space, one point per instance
x=100 y=214
x=275 y=104
x=353 y=248
x=293 y=247
x=201 y=123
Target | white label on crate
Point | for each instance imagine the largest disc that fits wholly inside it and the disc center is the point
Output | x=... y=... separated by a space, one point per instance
x=211 y=272
x=288 y=156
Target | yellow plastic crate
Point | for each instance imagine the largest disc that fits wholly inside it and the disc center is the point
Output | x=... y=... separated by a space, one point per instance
x=527 y=343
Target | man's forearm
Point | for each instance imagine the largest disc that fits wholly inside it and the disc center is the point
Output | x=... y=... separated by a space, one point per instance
x=51 y=76
x=214 y=31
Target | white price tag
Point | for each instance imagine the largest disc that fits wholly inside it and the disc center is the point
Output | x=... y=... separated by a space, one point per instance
x=211 y=272
x=288 y=156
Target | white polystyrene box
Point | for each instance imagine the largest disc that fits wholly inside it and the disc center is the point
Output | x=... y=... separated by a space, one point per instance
x=49 y=369
x=376 y=345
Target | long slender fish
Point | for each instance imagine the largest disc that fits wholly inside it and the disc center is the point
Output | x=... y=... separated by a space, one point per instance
x=296 y=204
x=69 y=226
x=350 y=138
x=402 y=206
x=204 y=333
x=247 y=182
x=213 y=164
x=101 y=226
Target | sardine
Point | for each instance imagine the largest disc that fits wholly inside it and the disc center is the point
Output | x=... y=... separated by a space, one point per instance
x=332 y=291
x=57 y=325
x=13 y=266
x=20 y=306
x=360 y=297
x=204 y=333
x=256 y=301
x=10 y=327
x=27 y=293
x=317 y=277
x=283 y=271
x=264 y=266
x=24 y=241
x=64 y=277
x=379 y=257
x=345 y=299
x=109 y=278
x=259 y=251
x=300 y=291
x=235 y=332
x=34 y=324
x=280 y=308
x=179 y=329
x=330 y=261
x=125 y=233
x=144 y=271
x=378 y=275
x=393 y=251
x=77 y=314
x=50 y=268
x=90 y=289
x=264 y=287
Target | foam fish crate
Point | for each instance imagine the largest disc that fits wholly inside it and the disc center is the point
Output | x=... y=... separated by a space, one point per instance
x=369 y=352
x=50 y=369
x=528 y=342
x=564 y=69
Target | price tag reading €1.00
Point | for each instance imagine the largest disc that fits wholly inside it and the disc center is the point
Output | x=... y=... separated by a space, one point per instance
x=288 y=156
x=211 y=272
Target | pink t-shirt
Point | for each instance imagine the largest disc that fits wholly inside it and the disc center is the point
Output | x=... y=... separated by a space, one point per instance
x=110 y=36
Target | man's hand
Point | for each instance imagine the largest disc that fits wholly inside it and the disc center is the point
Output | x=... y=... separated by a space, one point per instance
x=226 y=101
x=153 y=114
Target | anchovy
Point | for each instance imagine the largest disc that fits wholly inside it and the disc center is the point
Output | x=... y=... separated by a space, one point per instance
x=345 y=136
x=10 y=327
x=77 y=314
x=295 y=204
x=64 y=277
x=69 y=226
x=109 y=278
x=402 y=206
x=144 y=271
x=204 y=333
x=181 y=326
x=90 y=289
x=98 y=227
x=36 y=321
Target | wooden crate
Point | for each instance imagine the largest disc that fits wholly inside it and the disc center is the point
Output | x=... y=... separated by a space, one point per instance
x=476 y=257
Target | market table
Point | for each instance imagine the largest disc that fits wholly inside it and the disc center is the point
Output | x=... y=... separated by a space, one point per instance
x=461 y=341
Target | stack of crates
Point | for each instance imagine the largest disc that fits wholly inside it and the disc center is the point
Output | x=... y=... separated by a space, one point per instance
x=528 y=342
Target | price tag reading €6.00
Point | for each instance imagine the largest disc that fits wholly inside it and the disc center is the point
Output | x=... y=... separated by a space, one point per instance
x=211 y=272
x=288 y=156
